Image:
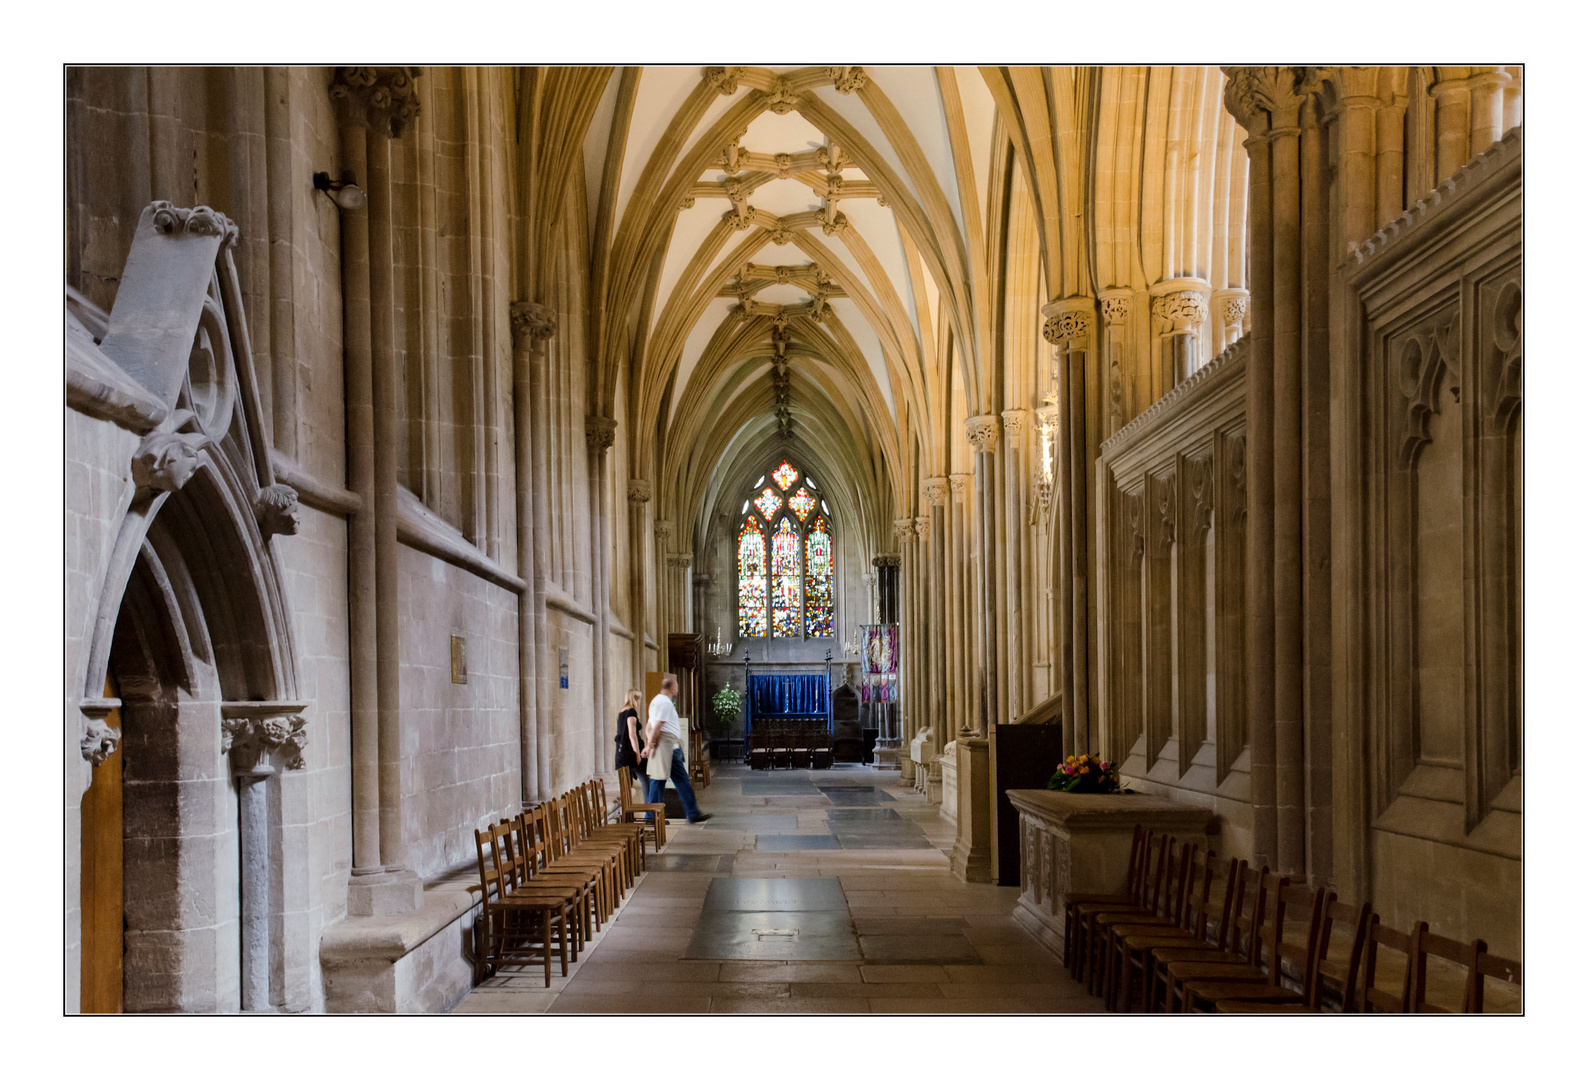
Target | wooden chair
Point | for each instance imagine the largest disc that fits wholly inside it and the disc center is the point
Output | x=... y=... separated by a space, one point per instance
x=822 y=748
x=1491 y=966
x=1074 y=903
x=1318 y=984
x=521 y=857
x=547 y=863
x=1142 y=910
x=611 y=819
x=782 y=748
x=1300 y=950
x=1131 y=947
x=570 y=848
x=594 y=828
x=1379 y=939
x=760 y=748
x=800 y=748
x=652 y=816
x=1463 y=954
x=1165 y=908
x=1244 y=962
x=511 y=916
x=1208 y=936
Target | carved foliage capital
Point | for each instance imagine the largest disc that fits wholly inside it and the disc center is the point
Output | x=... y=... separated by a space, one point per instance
x=639 y=491
x=1116 y=309
x=664 y=530
x=680 y=561
x=1015 y=421
x=936 y=490
x=276 y=510
x=958 y=482
x=1062 y=326
x=599 y=433
x=1261 y=98
x=532 y=323
x=382 y=99
x=1183 y=310
x=248 y=738
x=904 y=527
x=982 y=431
x=923 y=527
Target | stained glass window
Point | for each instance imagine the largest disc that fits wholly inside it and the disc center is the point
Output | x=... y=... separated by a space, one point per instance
x=752 y=580
x=819 y=580
x=785 y=474
x=802 y=502
x=785 y=580
x=768 y=502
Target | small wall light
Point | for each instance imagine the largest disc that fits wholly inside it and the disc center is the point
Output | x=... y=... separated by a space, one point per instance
x=343 y=192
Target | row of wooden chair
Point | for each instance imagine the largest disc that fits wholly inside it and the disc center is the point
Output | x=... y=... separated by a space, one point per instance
x=552 y=876
x=1173 y=941
x=651 y=817
x=791 y=744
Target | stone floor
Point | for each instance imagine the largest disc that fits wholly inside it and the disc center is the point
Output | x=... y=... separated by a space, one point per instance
x=824 y=891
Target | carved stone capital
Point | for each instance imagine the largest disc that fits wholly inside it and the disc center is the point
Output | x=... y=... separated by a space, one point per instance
x=533 y=324
x=1015 y=421
x=165 y=460
x=846 y=80
x=381 y=99
x=1183 y=310
x=959 y=482
x=173 y=220
x=903 y=527
x=599 y=433
x=885 y=561
x=664 y=530
x=923 y=527
x=276 y=510
x=253 y=730
x=639 y=491
x=935 y=488
x=1064 y=324
x=1267 y=99
x=1116 y=307
x=1230 y=305
x=982 y=432
x=680 y=560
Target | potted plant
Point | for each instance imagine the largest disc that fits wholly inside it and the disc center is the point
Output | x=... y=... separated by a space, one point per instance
x=1085 y=775
x=726 y=706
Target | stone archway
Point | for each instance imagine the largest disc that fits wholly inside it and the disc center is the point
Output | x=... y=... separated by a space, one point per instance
x=191 y=617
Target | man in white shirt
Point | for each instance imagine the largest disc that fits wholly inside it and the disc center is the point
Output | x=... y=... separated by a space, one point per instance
x=663 y=755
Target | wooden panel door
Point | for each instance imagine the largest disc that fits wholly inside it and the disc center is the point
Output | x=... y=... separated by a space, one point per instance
x=101 y=883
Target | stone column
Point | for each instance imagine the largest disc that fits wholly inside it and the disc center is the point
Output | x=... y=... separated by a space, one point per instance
x=639 y=494
x=909 y=704
x=982 y=431
x=934 y=532
x=1229 y=317
x=1116 y=305
x=887 y=713
x=599 y=434
x=961 y=645
x=666 y=616
x=1017 y=664
x=926 y=678
x=1182 y=305
x=533 y=326
x=1452 y=125
x=374 y=106
x=251 y=732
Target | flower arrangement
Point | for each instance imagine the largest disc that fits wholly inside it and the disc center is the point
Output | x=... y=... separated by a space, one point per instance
x=726 y=705
x=1085 y=775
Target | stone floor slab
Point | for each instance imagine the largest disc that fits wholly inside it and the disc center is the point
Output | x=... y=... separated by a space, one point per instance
x=776 y=894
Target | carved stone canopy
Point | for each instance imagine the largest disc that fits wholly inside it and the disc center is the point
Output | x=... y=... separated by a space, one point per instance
x=639 y=491
x=982 y=432
x=382 y=99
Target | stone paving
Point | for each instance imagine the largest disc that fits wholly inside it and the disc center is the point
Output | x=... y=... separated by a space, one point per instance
x=823 y=891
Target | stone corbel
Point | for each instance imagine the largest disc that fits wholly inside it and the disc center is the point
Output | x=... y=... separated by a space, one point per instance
x=251 y=731
x=166 y=460
x=533 y=324
x=99 y=739
x=276 y=510
x=380 y=99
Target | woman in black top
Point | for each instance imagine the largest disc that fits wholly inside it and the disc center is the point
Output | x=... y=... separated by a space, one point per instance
x=630 y=739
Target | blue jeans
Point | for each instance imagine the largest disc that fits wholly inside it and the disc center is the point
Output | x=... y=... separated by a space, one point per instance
x=680 y=778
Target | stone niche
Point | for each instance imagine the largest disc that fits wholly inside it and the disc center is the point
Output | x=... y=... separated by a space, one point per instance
x=1081 y=844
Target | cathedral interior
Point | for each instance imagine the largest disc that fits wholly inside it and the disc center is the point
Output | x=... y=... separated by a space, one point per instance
x=976 y=417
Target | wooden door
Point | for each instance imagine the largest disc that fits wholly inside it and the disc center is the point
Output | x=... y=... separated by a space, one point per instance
x=101 y=883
